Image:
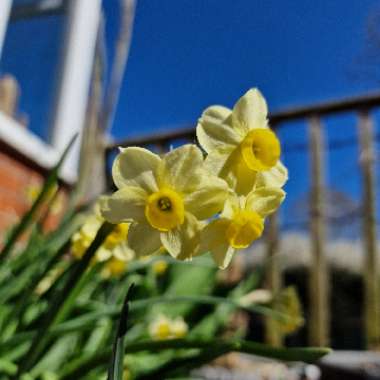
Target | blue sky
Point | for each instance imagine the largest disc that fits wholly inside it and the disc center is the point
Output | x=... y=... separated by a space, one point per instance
x=188 y=54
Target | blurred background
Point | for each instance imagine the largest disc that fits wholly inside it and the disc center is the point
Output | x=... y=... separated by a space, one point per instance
x=141 y=72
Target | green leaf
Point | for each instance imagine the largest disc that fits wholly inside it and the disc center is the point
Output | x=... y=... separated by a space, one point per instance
x=221 y=346
x=58 y=303
x=116 y=368
x=7 y=367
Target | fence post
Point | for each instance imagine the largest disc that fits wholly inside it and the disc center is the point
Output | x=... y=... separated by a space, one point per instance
x=273 y=278
x=370 y=270
x=319 y=297
x=9 y=94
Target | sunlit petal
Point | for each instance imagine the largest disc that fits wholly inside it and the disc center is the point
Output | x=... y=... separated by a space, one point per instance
x=124 y=205
x=183 y=242
x=214 y=133
x=181 y=167
x=208 y=199
x=275 y=177
x=135 y=167
x=250 y=112
x=144 y=239
x=265 y=200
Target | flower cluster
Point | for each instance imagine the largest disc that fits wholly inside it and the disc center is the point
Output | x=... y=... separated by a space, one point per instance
x=114 y=252
x=163 y=328
x=191 y=205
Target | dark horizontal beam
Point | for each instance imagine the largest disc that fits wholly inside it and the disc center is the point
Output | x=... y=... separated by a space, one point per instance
x=327 y=108
x=320 y=109
x=38 y=9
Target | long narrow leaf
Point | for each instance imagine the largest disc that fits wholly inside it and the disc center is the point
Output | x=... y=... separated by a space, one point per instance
x=89 y=320
x=116 y=368
x=58 y=303
x=298 y=354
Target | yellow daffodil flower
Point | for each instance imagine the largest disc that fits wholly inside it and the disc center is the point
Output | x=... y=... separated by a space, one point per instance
x=160 y=267
x=288 y=303
x=179 y=328
x=114 y=267
x=114 y=252
x=163 y=328
x=165 y=198
x=240 y=223
x=241 y=148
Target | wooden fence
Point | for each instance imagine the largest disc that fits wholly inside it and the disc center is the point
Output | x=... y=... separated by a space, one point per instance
x=319 y=277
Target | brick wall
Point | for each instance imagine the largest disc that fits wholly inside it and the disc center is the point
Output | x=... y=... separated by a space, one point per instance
x=19 y=178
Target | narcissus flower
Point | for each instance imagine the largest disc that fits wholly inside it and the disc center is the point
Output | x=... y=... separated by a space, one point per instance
x=163 y=328
x=240 y=223
x=165 y=198
x=241 y=148
x=114 y=251
x=289 y=305
x=160 y=267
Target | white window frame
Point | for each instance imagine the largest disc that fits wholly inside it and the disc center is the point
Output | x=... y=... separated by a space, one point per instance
x=69 y=113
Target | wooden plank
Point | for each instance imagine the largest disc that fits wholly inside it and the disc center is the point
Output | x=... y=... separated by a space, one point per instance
x=370 y=267
x=273 y=278
x=319 y=300
x=9 y=95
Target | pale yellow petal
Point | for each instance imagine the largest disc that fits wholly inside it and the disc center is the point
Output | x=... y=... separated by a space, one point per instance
x=208 y=199
x=136 y=167
x=215 y=161
x=250 y=112
x=231 y=206
x=183 y=242
x=214 y=132
x=213 y=239
x=237 y=174
x=275 y=177
x=103 y=254
x=124 y=205
x=223 y=256
x=265 y=200
x=180 y=167
x=214 y=235
x=143 y=239
x=123 y=252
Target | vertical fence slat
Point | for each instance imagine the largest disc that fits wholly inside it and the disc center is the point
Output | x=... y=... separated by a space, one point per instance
x=319 y=318
x=273 y=278
x=9 y=94
x=370 y=267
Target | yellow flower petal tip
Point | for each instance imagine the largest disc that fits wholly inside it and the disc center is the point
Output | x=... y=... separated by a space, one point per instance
x=261 y=149
x=114 y=267
x=165 y=210
x=160 y=267
x=244 y=228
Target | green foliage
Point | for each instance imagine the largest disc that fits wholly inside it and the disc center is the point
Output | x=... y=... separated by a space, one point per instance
x=65 y=329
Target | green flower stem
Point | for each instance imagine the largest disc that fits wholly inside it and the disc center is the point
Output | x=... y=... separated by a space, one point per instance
x=58 y=303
